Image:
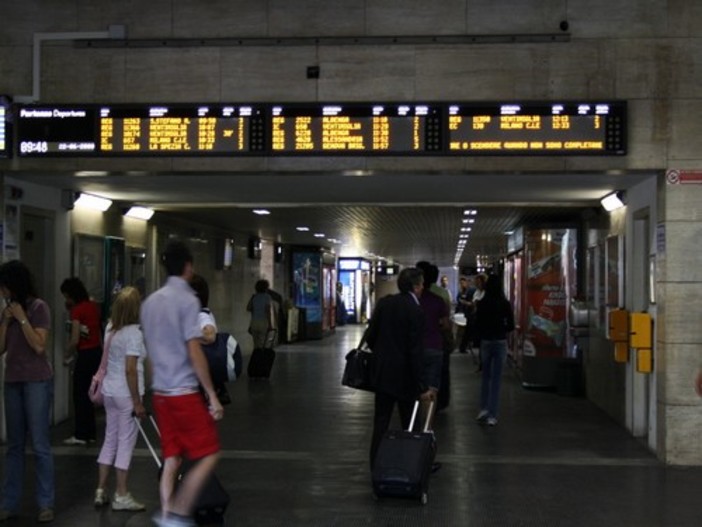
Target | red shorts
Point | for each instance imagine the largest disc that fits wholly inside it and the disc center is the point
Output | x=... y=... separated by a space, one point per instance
x=187 y=428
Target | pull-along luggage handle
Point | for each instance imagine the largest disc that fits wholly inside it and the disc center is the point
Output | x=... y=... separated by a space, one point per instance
x=414 y=416
x=146 y=438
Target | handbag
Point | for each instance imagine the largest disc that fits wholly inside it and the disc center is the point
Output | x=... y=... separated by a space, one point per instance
x=95 y=390
x=358 y=372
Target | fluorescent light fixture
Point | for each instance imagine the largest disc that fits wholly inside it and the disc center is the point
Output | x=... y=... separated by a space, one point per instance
x=302 y=229
x=262 y=212
x=140 y=213
x=613 y=201
x=93 y=202
x=319 y=235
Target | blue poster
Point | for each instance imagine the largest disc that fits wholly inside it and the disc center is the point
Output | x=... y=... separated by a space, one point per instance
x=306 y=280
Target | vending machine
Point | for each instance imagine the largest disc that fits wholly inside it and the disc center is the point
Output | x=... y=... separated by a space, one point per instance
x=354 y=288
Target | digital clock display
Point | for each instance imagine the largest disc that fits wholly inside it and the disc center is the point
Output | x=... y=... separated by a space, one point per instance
x=52 y=130
x=536 y=128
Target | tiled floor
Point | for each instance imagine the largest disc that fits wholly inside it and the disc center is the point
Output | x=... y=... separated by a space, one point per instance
x=295 y=451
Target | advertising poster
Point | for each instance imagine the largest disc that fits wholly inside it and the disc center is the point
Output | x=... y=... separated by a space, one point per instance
x=306 y=280
x=545 y=295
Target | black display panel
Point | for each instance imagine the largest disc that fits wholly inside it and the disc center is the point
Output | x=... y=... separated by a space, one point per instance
x=181 y=129
x=5 y=128
x=323 y=129
x=573 y=128
x=44 y=131
x=151 y=130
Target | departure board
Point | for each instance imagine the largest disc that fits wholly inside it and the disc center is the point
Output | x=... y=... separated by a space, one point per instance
x=356 y=129
x=185 y=129
x=103 y=130
x=319 y=129
x=537 y=128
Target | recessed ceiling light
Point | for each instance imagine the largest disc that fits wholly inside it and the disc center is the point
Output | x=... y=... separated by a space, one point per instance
x=470 y=212
x=303 y=229
x=262 y=212
x=318 y=235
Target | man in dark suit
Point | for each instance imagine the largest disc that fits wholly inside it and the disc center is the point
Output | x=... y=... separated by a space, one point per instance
x=395 y=336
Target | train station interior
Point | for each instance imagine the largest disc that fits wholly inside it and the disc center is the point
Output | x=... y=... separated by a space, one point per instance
x=333 y=144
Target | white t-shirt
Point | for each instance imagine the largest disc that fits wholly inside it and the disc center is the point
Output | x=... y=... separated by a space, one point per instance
x=128 y=341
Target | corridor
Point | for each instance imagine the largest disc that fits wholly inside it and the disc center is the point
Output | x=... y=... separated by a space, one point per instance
x=295 y=450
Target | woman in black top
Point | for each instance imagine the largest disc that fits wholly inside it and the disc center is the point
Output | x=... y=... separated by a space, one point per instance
x=494 y=320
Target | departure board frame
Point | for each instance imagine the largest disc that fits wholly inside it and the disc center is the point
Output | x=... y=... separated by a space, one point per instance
x=527 y=128
x=569 y=128
x=5 y=127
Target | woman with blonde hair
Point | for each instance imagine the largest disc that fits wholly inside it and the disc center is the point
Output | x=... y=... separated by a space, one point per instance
x=123 y=389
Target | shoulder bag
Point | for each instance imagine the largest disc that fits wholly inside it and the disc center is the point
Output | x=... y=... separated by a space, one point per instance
x=358 y=372
x=95 y=390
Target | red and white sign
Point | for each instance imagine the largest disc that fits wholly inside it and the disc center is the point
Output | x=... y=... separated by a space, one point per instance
x=675 y=177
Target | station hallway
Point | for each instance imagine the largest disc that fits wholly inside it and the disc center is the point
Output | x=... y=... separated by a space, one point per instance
x=295 y=453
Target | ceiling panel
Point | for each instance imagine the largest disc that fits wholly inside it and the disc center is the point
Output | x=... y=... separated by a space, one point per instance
x=403 y=216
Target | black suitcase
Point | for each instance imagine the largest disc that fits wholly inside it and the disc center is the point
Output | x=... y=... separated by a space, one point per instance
x=213 y=500
x=261 y=361
x=404 y=460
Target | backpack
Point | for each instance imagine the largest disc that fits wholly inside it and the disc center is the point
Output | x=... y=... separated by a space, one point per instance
x=224 y=359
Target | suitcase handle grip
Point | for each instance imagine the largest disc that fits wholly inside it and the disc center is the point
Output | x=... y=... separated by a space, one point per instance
x=427 y=423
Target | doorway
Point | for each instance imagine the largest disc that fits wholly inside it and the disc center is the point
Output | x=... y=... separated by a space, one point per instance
x=640 y=387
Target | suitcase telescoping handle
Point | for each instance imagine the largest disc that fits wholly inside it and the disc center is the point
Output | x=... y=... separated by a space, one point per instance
x=414 y=416
x=146 y=438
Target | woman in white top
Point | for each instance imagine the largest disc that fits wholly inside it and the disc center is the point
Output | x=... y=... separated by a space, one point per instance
x=123 y=389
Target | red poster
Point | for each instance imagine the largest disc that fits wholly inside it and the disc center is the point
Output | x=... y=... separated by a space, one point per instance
x=546 y=296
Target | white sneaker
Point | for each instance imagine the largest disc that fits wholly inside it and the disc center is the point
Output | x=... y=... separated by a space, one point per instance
x=126 y=503
x=492 y=421
x=73 y=440
x=171 y=521
x=101 y=498
x=482 y=415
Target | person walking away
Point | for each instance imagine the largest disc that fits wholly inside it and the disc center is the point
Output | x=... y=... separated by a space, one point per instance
x=123 y=390
x=395 y=336
x=260 y=306
x=186 y=418
x=480 y=281
x=435 y=323
x=84 y=346
x=495 y=320
x=431 y=275
x=28 y=390
x=464 y=305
